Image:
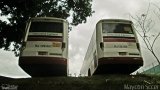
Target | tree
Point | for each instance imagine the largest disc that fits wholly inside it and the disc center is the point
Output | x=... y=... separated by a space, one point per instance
x=19 y=11
x=145 y=28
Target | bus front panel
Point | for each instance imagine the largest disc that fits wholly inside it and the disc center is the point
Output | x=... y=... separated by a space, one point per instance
x=45 y=47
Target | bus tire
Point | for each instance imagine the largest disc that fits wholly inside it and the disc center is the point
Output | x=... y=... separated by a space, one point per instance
x=89 y=72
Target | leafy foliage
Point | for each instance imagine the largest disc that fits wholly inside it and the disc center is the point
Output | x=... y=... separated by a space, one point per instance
x=19 y=11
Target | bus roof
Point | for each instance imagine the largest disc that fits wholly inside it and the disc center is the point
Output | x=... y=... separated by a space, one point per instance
x=115 y=20
x=46 y=18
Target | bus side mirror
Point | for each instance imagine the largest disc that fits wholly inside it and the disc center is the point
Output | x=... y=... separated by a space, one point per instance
x=138 y=46
x=23 y=44
x=63 y=45
x=102 y=45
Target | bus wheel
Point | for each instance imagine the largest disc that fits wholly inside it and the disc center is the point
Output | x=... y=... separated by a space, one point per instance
x=89 y=72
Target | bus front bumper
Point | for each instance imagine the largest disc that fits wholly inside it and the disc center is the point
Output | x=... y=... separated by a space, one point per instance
x=120 y=65
x=44 y=66
x=121 y=60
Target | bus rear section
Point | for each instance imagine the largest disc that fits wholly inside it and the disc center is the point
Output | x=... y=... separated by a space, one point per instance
x=46 y=50
x=118 y=47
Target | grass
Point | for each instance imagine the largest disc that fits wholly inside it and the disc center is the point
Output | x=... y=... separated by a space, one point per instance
x=98 y=82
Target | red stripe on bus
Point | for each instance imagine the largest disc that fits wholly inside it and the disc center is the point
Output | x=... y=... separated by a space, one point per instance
x=45 y=36
x=118 y=40
x=118 y=37
x=44 y=39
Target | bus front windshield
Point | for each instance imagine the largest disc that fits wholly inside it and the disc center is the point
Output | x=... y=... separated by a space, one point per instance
x=55 y=27
x=117 y=28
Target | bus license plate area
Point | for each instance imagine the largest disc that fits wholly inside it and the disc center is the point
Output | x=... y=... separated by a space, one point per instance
x=122 y=53
x=56 y=44
x=42 y=53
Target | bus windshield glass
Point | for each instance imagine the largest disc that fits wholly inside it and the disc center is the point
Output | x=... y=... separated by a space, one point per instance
x=56 y=27
x=117 y=28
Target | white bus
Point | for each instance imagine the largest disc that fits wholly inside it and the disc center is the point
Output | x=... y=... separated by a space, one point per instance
x=114 y=48
x=45 y=47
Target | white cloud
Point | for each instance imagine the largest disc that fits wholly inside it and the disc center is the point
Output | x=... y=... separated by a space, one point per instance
x=9 y=65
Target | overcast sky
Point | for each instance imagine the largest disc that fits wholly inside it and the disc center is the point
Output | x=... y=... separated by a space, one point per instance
x=80 y=35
